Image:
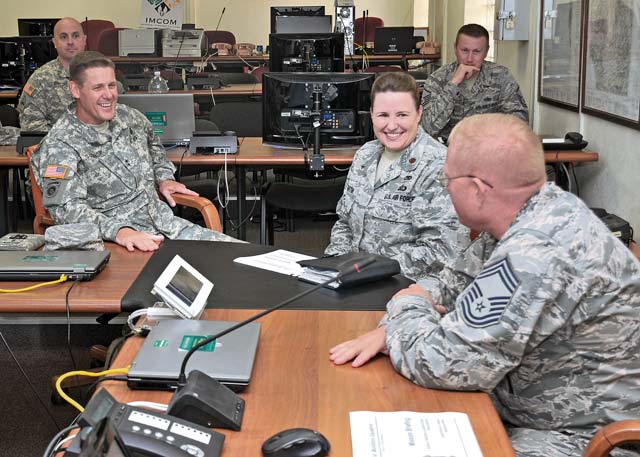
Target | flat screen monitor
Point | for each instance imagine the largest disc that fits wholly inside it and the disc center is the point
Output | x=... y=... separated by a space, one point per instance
x=288 y=109
x=294 y=11
x=303 y=24
x=306 y=52
x=36 y=27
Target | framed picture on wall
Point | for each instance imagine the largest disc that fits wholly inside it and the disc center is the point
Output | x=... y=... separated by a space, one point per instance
x=611 y=56
x=560 y=45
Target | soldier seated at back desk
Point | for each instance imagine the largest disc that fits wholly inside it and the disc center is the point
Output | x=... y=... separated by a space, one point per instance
x=102 y=163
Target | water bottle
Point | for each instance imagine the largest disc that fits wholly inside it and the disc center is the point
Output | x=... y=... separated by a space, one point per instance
x=158 y=85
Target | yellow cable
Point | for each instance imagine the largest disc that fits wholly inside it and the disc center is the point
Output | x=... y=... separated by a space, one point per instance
x=83 y=373
x=62 y=278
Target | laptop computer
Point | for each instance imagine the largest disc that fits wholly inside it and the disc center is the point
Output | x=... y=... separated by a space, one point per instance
x=393 y=40
x=157 y=364
x=49 y=265
x=171 y=115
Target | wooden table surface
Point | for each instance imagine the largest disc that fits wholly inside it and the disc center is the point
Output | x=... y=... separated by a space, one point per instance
x=100 y=295
x=295 y=385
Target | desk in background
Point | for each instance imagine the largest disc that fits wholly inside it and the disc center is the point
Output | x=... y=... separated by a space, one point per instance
x=295 y=385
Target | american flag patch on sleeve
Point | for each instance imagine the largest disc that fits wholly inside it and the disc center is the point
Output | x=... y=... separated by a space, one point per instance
x=55 y=171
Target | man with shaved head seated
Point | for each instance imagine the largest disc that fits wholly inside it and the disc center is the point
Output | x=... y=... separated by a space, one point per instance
x=542 y=310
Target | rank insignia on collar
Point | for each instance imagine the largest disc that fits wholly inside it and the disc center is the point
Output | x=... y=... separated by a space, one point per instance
x=484 y=301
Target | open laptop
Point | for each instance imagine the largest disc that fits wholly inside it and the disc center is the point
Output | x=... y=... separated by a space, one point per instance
x=49 y=265
x=157 y=364
x=393 y=40
x=171 y=115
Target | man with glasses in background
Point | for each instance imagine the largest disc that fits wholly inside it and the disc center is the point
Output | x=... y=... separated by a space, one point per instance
x=542 y=310
x=468 y=86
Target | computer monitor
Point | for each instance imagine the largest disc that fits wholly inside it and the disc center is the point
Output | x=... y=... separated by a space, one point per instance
x=294 y=11
x=36 y=27
x=288 y=108
x=303 y=24
x=305 y=52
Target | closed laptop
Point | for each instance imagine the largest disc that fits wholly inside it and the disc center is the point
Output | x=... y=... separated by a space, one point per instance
x=49 y=265
x=393 y=40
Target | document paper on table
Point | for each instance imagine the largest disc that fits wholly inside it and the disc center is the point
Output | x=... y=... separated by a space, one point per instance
x=280 y=261
x=412 y=434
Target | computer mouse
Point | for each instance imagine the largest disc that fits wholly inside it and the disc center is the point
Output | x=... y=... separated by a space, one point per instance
x=296 y=442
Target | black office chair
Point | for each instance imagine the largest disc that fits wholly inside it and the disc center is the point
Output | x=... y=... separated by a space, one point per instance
x=9 y=118
x=244 y=118
x=313 y=196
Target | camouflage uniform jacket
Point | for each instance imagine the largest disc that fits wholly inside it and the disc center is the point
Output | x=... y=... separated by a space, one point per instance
x=45 y=97
x=547 y=318
x=445 y=104
x=407 y=215
x=109 y=179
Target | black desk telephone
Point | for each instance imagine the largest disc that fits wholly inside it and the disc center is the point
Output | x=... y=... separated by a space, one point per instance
x=141 y=432
x=572 y=141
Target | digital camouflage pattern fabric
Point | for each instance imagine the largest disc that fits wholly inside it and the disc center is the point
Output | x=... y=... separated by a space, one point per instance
x=45 y=97
x=547 y=319
x=84 y=235
x=406 y=216
x=445 y=104
x=110 y=179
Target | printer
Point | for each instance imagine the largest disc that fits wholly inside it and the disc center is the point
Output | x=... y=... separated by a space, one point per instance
x=139 y=42
x=183 y=43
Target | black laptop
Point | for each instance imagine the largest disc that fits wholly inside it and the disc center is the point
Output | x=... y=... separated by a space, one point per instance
x=393 y=40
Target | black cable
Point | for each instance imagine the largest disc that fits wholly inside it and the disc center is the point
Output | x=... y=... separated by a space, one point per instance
x=24 y=374
x=56 y=439
x=575 y=179
x=180 y=163
x=93 y=385
x=68 y=308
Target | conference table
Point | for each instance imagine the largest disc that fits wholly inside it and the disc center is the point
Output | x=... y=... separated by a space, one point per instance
x=294 y=384
x=252 y=155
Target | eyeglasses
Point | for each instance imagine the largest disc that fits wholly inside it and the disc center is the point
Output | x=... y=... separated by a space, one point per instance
x=444 y=179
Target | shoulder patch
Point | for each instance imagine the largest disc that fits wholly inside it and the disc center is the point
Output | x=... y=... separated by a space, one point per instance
x=487 y=297
x=55 y=171
x=29 y=89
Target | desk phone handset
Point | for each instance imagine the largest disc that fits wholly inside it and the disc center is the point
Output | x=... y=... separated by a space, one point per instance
x=571 y=141
x=146 y=433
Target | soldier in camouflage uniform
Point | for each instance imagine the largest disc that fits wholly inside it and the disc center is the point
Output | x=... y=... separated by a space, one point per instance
x=102 y=163
x=46 y=95
x=392 y=204
x=469 y=86
x=542 y=310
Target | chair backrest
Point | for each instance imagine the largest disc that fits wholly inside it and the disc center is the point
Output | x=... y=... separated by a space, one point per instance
x=219 y=36
x=258 y=71
x=372 y=23
x=244 y=118
x=92 y=29
x=42 y=219
x=9 y=116
x=108 y=41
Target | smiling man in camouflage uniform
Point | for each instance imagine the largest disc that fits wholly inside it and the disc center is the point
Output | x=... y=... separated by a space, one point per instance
x=46 y=95
x=469 y=86
x=542 y=310
x=101 y=163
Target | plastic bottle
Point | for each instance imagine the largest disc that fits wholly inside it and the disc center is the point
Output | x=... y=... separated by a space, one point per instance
x=158 y=85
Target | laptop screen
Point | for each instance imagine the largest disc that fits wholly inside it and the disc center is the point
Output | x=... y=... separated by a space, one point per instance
x=171 y=115
x=393 y=40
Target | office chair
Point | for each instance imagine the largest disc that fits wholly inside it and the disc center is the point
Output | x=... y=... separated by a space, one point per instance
x=372 y=22
x=611 y=436
x=219 y=36
x=108 y=41
x=244 y=118
x=92 y=29
x=9 y=118
x=310 y=196
x=43 y=220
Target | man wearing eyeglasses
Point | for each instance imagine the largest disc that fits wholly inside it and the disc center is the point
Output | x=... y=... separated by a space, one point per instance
x=468 y=86
x=542 y=310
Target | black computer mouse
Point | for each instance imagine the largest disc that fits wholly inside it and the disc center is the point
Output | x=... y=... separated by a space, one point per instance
x=296 y=442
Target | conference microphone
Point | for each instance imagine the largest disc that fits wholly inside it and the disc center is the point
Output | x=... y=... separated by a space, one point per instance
x=221 y=14
x=204 y=400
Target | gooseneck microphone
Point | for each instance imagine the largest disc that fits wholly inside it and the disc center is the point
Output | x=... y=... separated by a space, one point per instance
x=204 y=400
x=220 y=18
